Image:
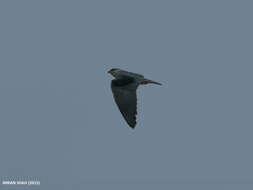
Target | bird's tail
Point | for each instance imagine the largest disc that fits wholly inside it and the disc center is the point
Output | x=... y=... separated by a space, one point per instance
x=147 y=81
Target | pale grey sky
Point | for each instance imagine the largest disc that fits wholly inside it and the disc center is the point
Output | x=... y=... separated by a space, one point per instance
x=60 y=125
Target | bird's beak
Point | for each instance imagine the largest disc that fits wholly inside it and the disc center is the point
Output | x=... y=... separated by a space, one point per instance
x=109 y=72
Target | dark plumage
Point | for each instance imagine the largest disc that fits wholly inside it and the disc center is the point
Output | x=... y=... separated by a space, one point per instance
x=124 y=92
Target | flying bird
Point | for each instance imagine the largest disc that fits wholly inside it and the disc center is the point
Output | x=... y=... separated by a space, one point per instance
x=124 y=88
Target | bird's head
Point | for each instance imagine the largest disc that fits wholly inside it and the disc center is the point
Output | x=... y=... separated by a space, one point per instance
x=115 y=72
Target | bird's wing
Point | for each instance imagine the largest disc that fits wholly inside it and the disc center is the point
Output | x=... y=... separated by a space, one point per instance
x=124 y=93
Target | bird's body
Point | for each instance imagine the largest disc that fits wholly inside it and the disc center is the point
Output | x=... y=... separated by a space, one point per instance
x=124 y=88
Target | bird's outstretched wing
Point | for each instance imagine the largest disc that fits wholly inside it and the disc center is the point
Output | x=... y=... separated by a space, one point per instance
x=124 y=93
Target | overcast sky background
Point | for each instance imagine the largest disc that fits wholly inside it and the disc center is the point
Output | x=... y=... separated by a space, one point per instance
x=60 y=125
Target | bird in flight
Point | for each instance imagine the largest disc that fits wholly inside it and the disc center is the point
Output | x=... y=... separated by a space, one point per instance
x=124 y=88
